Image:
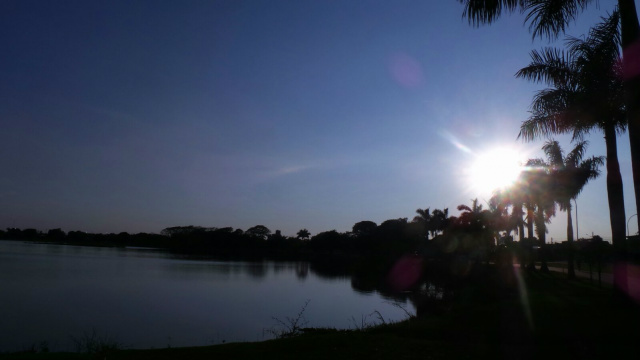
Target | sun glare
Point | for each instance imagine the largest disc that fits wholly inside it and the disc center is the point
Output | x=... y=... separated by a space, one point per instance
x=494 y=169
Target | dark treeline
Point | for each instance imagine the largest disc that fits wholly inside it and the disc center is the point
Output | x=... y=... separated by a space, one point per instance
x=392 y=237
x=475 y=236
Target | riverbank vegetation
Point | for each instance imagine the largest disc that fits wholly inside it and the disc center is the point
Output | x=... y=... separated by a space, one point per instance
x=498 y=312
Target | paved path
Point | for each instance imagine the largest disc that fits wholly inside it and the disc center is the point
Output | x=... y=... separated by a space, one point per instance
x=633 y=276
x=607 y=278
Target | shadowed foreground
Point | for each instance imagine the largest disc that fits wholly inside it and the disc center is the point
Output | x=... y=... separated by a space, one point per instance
x=486 y=319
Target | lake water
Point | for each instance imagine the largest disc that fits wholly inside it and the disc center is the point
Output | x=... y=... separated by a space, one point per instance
x=145 y=298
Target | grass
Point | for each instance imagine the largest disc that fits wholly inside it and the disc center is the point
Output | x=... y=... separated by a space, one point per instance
x=488 y=320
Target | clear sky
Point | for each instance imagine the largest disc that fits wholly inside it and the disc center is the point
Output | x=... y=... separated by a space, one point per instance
x=139 y=115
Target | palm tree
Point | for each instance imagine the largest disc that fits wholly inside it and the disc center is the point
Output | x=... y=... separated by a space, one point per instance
x=550 y=18
x=569 y=175
x=471 y=215
x=541 y=192
x=475 y=221
x=439 y=221
x=585 y=94
x=303 y=234
x=500 y=219
x=522 y=197
x=512 y=197
x=424 y=219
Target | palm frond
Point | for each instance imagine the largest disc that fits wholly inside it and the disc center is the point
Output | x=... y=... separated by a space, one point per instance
x=487 y=11
x=574 y=157
x=550 y=65
x=543 y=125
x=554 y=154
x=549 y=18
x=536 y=163
x=607 y=35
x=586 y=90
x=553 y=100
x=592 y=165
x=587 y=170
x=423 y=213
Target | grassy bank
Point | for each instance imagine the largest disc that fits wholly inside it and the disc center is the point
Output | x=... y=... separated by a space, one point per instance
x=487 y=319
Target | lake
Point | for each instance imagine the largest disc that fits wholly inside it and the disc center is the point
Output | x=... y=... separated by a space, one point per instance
x=146 y=298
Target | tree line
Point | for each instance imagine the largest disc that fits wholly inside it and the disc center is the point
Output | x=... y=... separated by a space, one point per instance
x=476 y=235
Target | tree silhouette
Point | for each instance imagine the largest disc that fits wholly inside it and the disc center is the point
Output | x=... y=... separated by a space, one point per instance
x=522 y=196
x=540 y=183
x=551 y=17
x=259 y=232
x=56 y=234
x=425 y=220
x=567 y=176
x=498 y=216
x=476 y=222
x=511 y=197
x=570 y=174
x=471 y=215
x=439 y=221
x=303 y=234
x=364 y=228
x=585 y=94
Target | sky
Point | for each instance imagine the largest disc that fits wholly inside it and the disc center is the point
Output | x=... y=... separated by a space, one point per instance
x=140 y=115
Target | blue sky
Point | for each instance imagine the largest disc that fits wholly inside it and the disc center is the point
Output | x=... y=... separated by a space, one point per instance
x=140 y=115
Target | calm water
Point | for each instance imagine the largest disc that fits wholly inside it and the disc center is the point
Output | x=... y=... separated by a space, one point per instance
x=145 y=298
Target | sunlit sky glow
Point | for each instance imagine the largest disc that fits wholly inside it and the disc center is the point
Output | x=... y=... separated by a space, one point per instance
x=136 y=116
x=494 y=169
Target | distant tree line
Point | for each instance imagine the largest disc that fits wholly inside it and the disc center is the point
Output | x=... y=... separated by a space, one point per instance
x=476 y=235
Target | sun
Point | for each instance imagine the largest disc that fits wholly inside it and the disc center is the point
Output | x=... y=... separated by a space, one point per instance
x=494 y=169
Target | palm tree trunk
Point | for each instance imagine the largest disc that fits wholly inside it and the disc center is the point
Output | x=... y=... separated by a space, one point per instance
x=630 y=39
x=542 y=229
x=617 y=215
x=530 y=217
x=521 y=229
x=532 y=263
x=518 y=214
x=570 y=270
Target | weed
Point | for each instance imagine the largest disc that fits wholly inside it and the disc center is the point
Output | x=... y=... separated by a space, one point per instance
x=92 y=343
x=42 y=347
x=366 y=324
x=290 y=326
x=396 y=304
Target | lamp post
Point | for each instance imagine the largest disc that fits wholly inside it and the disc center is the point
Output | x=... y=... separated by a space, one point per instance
x=628 y=223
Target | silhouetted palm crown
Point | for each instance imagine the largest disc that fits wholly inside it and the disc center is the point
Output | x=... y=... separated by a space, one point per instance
x=546 y=17
x=585 y=85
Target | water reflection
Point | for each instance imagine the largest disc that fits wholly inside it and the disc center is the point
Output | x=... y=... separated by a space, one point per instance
x=142 y=297
x=366 y=275
x=255 y=270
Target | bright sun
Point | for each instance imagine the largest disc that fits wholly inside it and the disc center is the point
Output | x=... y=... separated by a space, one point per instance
x=494 y=169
